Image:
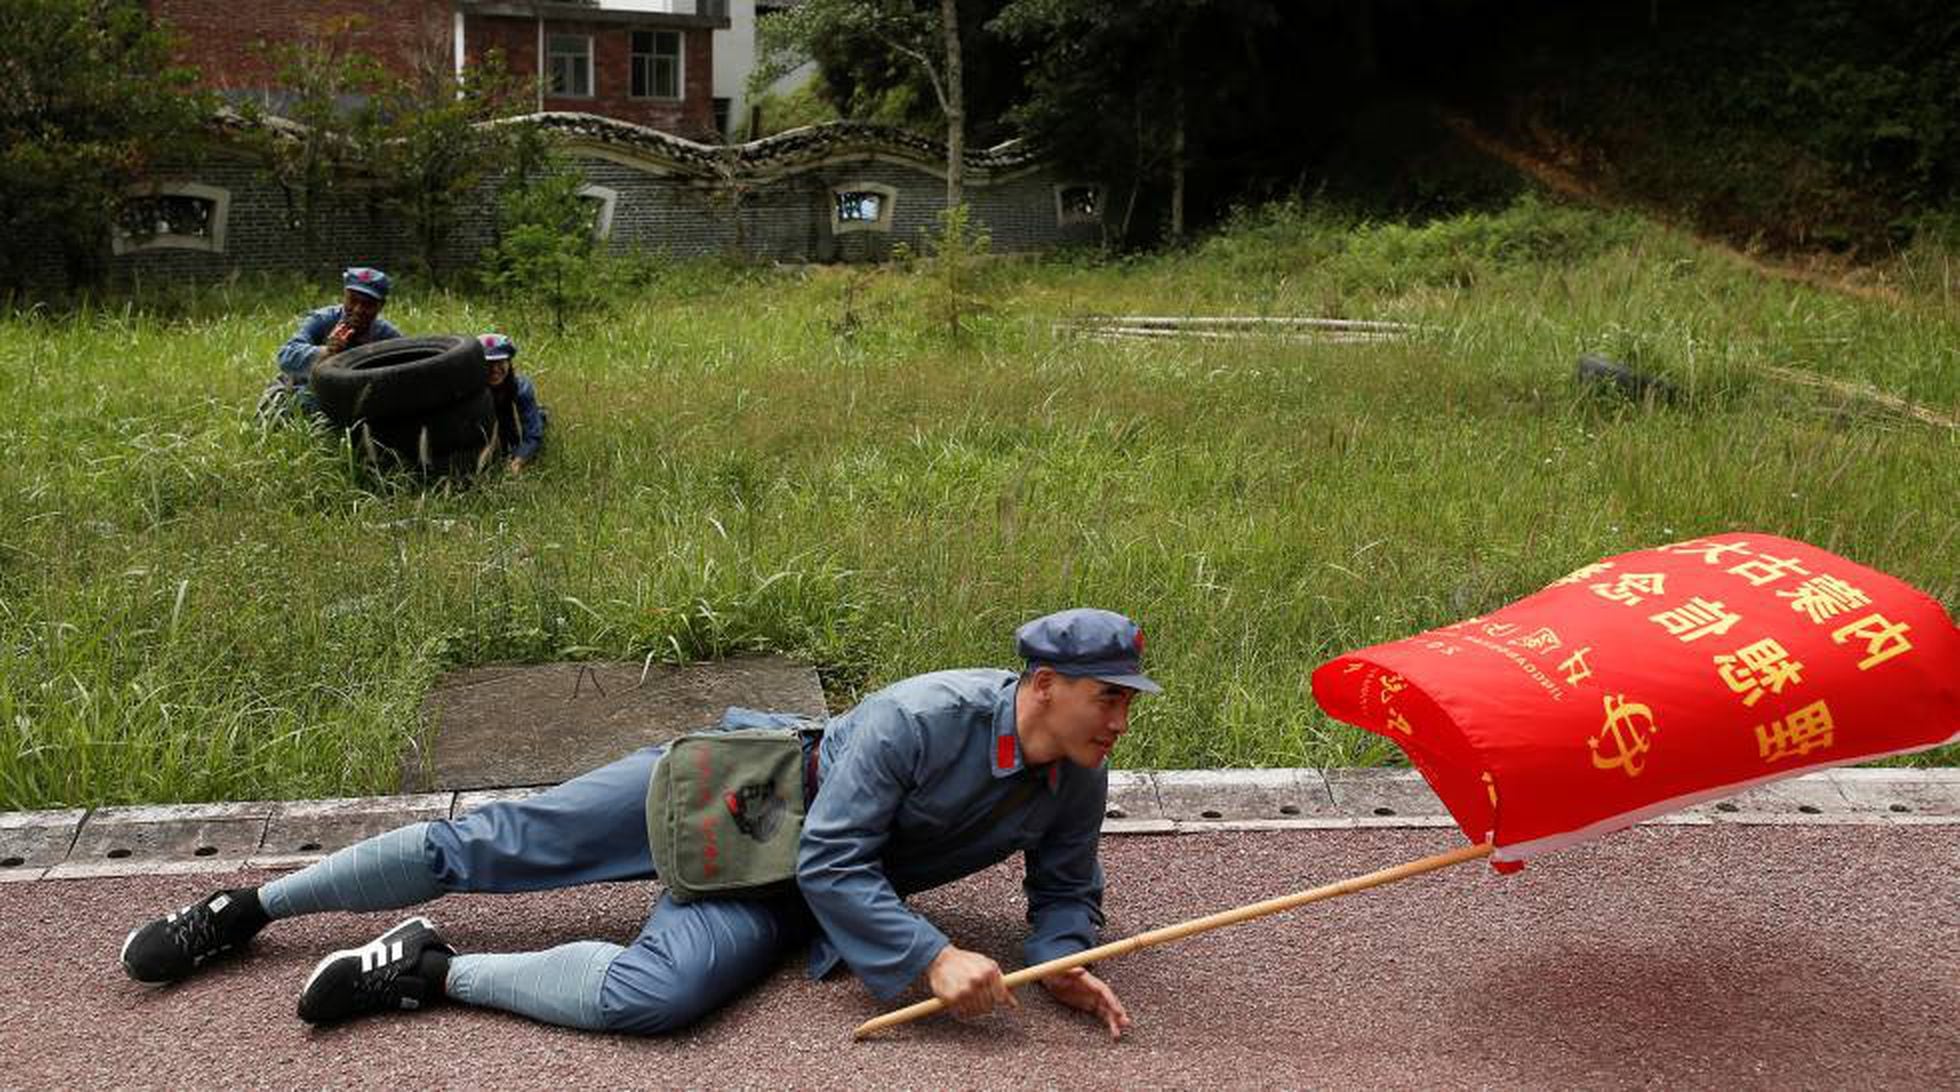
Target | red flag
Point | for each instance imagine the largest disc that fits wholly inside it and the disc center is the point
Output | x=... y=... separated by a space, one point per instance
x=1654 y=680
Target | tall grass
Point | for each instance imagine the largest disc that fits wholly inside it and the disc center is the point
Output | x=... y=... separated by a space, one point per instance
x=195 y=607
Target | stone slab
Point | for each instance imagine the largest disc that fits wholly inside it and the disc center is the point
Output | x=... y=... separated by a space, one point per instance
x=1901 y=792
x=1371 y=795
x=1215 y=795
x=1139 y=826
x=166 y=838
x=493 y=727
x=1810 y=799
x=1132 y=797
x=31 y=842
x=466 y=802
x=310 y=829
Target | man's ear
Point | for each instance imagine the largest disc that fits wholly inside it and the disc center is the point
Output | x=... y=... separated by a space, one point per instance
x=1042 y=680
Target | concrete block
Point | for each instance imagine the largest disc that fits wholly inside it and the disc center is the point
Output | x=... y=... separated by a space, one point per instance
x=466 y=802
x=1139 y=826
x=314 y=828
x=1808 y=800
x=1201 y=795
x=1132 y=796
x=166 y=838
x=1934 y=792
x=1383 y=794
x=33 y=841
x=543 y=724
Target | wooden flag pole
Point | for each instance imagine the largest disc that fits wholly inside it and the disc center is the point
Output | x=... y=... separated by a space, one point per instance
x=1190 y=928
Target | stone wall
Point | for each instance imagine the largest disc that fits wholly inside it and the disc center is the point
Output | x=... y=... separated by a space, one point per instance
x=769 y=200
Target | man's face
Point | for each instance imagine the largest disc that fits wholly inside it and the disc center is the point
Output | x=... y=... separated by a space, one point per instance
x=499 y=369
x=358 y=309
x=1087 y=717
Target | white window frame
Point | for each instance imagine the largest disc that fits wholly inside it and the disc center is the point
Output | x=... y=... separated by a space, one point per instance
x=214 y=243
x=633 y=57
x=1064 y=216
x=607 y=198
x=887 y=205
x=552 y=56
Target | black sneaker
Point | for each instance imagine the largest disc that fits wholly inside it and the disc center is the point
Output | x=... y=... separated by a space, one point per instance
x=402 y=968
x=171 y=947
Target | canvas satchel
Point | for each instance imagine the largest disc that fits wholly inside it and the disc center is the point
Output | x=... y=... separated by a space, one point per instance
x=725 y=812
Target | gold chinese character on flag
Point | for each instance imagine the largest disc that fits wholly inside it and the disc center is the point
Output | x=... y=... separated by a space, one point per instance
x=1696 y=619
x=1710 y=552
x=1400 y=723
x=1540 y=640
x=1768 y=570
x=1392 y=684
x=1803 y=731
x=1632 y=588
x=1825 y=597
x=1883 y=639
x=1752 y=669
x=1576 y=669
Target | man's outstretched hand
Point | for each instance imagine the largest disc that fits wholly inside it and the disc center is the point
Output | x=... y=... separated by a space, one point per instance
x=968 y=982
x=1078 y=989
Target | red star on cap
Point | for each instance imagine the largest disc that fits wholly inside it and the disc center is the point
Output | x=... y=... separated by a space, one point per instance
x=1139 y=641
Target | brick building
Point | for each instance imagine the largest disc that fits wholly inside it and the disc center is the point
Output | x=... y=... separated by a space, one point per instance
x=649 y=62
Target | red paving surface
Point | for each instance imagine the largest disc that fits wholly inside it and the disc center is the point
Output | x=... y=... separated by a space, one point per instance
x=1723 y=956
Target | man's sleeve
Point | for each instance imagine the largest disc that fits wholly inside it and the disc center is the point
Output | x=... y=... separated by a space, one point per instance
x=296 y=355
x=530 y=418
x=1065 y=885
x=383 y=330
x=839 y=868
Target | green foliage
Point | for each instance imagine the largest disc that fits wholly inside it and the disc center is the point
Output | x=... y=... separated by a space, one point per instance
x=545 y=252
x=866 y=49
x=781 y=113
x=955 y=261
x=1296 y=237
x=1822 y=124
x=89 y=102
x=430 y=155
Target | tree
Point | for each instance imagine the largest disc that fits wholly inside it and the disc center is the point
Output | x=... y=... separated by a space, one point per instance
x=89 y=105
x=924 y=36
x=327 y=83
x=545 y=250
x=1109 y=89
x=430 y=153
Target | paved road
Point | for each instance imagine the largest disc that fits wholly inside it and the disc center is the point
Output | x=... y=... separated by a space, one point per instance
x=1693 y=956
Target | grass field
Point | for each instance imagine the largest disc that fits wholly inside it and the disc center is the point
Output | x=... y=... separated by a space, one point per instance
x=193 y=607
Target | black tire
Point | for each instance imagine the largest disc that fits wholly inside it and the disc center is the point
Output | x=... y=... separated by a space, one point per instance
x=400 y=377
x=462 y=428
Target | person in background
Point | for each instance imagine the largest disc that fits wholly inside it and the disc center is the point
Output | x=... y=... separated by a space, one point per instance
x=520 y=420
x=355 y=320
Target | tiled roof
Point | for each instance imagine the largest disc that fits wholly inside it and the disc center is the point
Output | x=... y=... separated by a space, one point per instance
x=771 y=155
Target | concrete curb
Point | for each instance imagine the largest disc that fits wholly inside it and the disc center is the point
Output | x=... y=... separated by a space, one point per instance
x=84 y=843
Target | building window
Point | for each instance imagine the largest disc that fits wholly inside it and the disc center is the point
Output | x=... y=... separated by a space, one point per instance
x=656 y=63
x=569 y=71
x=862 y=206
x=599 y=202
x=1078 y=203
x=173 y=216
x=721 y=115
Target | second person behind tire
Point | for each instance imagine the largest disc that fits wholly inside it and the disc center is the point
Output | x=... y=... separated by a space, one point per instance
x=520 y=420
